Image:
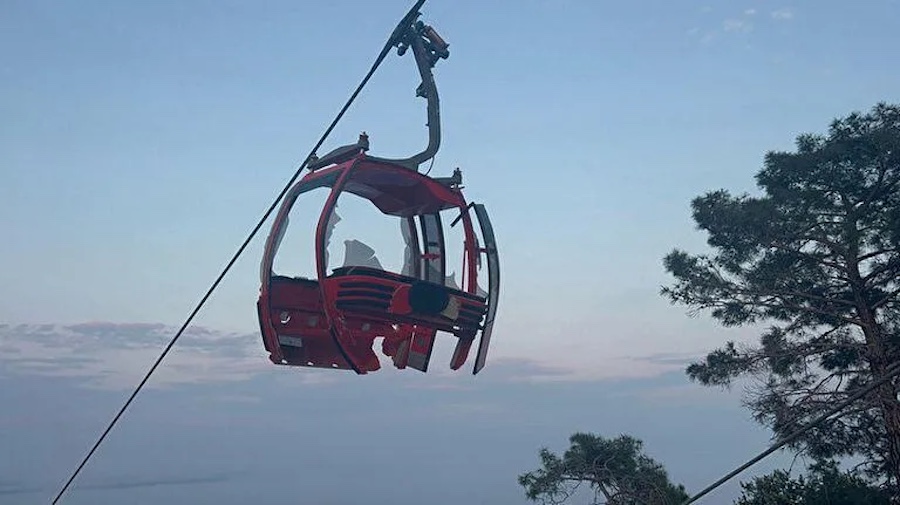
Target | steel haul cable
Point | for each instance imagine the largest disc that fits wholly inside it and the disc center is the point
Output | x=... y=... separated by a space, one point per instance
x=891 y=372
x=401 y=27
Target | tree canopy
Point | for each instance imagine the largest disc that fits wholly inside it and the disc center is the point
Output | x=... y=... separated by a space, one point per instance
x=815 y=260
x=615 y=470
x=824 y=484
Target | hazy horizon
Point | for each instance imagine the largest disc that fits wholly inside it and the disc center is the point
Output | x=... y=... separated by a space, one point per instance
x=219 y=423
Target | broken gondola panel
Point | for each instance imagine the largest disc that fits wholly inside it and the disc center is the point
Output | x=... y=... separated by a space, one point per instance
x=332 y=321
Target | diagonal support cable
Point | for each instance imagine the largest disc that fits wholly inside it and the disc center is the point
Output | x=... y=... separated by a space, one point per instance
x=891 y=372
x=395 y=35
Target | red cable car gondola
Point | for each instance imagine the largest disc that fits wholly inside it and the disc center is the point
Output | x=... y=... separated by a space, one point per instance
x=332 y=321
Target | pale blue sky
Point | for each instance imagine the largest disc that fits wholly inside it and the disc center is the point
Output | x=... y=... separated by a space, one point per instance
x=140 y=141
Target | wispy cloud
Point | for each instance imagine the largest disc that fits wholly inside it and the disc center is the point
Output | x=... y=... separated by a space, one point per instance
x=114 y=483
x=116 y=356
x=783 y=14
x=128 y=483
x=670 y=359
x=14 y=488
x=738 y=24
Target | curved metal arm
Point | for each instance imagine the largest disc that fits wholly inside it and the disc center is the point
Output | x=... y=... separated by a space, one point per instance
x=427 y=47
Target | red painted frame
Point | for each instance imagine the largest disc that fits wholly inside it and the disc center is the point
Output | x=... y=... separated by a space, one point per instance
x=337 y=317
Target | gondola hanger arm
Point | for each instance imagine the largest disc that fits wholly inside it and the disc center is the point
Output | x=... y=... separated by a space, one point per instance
x=428 y=48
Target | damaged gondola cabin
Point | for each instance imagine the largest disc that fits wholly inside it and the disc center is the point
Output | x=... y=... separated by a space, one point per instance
x=332 y=321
